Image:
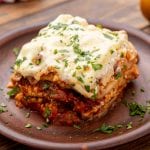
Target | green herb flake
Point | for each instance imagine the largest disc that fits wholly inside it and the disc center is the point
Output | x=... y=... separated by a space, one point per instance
x=59 y=26
x=37 y=61
x=57 y=67
x=136 y=109
x=55 y=51
x=87 y=88
x=65 y=62
x=30 y=64
x=111 y=51
x=129 y=125
x=80 y=79
x=20 y=61
x=45 y=86
x=16 y=51
x=148 y=107
x=118 y=75
x=108 y=36
x=78 y=67
x=47 y=112
x=13 y=91
x=28 y=125
x=75 y=22
x=74 y=74
x=76 y=126
x=63 y=51
x=97 y=66
x=94 y=96
x=122 y=55
x=106 y=128
x=2 y=109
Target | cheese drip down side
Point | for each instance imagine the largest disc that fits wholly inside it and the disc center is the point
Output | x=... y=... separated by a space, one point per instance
x=82 y=54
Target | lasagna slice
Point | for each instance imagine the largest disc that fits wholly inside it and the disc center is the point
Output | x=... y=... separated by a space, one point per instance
x=73 y=71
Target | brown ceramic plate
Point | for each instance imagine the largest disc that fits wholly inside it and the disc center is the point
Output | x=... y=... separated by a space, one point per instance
x=60 y=137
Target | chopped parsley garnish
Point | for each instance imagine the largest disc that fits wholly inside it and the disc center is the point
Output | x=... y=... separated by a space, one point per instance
x=118 y=75
x=28 y=125
x=47 y=112
x=76 y=126
x=87 y=88
x=136 y=109
x=30 y=64
x=75 y=38
x=75 y=22
x=133 y=93
x=80 y=79
x=77 y=49
x=148 y=107
x=74 y=74
x=111 y=51
x=16 y=51
x=108 y=36
x=94 y=94
x=55 y=51
x=37 y=59
x=13 y=91
x=106 y=128
x=122 y=55
x=129 y=125
x=20 y=61
x=65 y=62
x=59 y=26
x=97 y=66
x=57 y=67
x=78 y=67
x=2 y=109
x=63 y=51
x=45 y=86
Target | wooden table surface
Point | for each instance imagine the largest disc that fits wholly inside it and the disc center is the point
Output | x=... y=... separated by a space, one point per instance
x=13 y=16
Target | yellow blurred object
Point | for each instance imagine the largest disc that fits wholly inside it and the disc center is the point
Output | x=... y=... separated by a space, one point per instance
x=145 y=7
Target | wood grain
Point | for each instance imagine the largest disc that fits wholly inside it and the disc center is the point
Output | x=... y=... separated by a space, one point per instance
x=24 y=14
x=116 y=10
x=15 y=11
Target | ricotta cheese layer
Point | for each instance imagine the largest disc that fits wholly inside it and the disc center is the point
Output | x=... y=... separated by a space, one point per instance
x=82 y=54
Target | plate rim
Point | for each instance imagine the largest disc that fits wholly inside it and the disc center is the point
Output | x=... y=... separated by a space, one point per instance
x=107 y=143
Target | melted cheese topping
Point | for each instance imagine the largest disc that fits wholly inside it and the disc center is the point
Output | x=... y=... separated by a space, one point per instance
x=81 y=53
